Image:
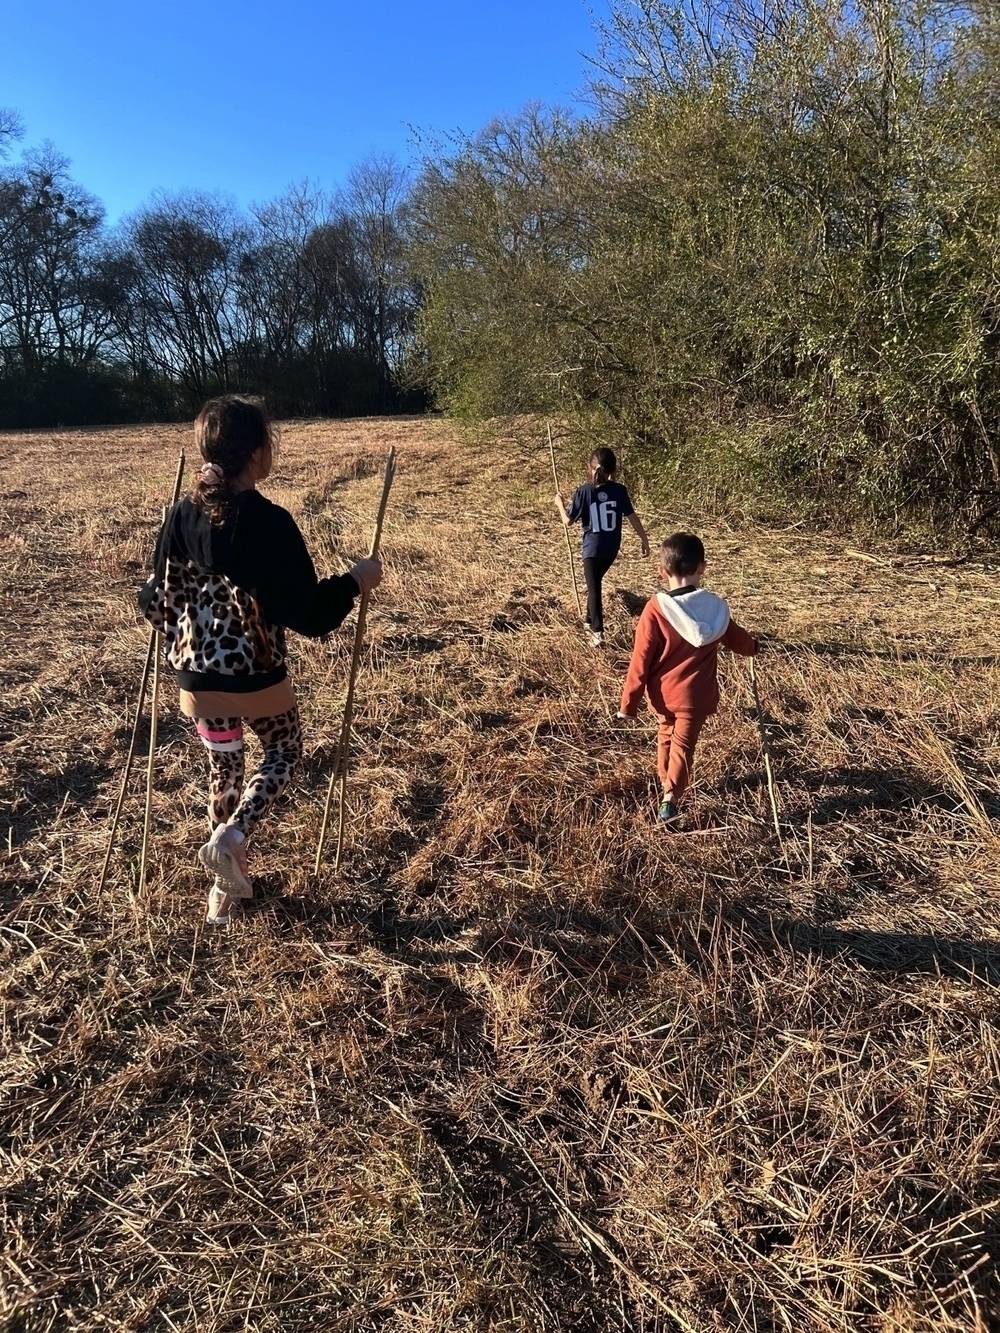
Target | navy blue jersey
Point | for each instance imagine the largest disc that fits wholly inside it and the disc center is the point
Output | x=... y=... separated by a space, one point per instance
x=601 y=510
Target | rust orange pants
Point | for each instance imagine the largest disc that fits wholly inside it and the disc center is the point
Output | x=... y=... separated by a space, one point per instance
x=676 y=738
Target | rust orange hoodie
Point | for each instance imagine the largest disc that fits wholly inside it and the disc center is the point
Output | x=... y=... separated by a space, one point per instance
x=676 y=651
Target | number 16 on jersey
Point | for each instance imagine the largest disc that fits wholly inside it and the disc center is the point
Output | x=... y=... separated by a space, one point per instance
x=603 y=516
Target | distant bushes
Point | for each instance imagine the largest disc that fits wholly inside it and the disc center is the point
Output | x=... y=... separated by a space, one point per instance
x=779 y=228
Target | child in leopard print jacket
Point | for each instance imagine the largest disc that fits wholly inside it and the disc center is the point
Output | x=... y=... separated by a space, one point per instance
x=231 y=574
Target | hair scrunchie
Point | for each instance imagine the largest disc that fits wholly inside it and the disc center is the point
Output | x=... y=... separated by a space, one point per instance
x=211 y=474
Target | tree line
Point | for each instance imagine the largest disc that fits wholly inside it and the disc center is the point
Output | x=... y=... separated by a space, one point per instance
x=304 y=299
x=765 y=264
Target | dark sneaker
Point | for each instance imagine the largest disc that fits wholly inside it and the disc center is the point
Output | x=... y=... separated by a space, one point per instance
x=667 y=813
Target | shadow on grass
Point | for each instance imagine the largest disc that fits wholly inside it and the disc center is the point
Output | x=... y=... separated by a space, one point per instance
x=375 y=919
x=879 y=950
x=40 y=797
x=827 y=648
x=844 y=790
x=500 y=1184
x=621 y=952
x=409 y=645
x=632 y=603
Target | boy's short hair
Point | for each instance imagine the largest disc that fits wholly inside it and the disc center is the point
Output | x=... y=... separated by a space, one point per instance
x=681 y=553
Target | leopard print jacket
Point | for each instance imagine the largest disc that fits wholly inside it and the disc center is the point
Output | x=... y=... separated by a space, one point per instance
x=212 y=626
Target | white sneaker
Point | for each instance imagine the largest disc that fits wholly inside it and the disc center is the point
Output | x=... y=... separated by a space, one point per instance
x=221 y=854
x=596 y=639
x=220 y=905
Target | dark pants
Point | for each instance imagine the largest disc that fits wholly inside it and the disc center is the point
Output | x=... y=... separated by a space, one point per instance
x=594 y=569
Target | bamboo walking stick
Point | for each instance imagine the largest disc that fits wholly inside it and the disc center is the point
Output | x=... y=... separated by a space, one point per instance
x=150 y=650
x=569 y=544
x=765 y=747
x=340 y=764
x=150 y=658
x=147 y=818
x=154 y=717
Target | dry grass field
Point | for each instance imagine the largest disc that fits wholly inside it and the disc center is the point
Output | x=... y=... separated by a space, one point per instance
x=527 y=1063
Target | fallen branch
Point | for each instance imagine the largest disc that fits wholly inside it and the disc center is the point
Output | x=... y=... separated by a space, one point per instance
x=893 y=568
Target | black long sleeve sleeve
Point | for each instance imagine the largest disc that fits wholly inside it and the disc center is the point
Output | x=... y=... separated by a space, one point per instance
x=285 y=582
x=262 y=551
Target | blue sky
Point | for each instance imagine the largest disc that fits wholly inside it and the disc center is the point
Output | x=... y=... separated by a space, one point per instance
x=246 y=98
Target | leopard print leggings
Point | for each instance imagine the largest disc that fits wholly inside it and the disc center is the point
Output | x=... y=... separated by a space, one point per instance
x=281 y=739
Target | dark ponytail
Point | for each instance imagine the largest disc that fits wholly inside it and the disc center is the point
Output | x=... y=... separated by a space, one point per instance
x=603 y=466
x=228 y=432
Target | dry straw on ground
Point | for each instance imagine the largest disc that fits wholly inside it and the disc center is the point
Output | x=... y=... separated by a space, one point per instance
x=527 y=1064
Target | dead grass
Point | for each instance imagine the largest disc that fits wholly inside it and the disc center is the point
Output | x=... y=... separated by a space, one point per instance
x=528 y=1064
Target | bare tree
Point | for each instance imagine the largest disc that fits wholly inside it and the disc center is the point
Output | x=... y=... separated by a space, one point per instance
x=11 y=129
x=180 y=261
x=49 y=229
x=376 y=192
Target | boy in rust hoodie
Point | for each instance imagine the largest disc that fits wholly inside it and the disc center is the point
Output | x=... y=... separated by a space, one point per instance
x=675 y=659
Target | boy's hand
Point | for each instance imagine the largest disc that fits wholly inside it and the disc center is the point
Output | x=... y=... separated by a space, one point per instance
x=558 y=500
x=645 y=549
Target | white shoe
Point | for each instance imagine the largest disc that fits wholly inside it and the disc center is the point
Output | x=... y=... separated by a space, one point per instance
x=220 y=905
x=220 y=855
x=596 y=639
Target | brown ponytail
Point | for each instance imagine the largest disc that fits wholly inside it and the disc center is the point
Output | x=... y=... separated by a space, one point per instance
x=228 y=432
x=603 y=466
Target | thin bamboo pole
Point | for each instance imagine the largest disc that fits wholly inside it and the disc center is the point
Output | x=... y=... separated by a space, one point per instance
x=766 y=748
x=569 y=544
x=150 y=651
x=150 y=658
x=154 y=717
x=341 y=762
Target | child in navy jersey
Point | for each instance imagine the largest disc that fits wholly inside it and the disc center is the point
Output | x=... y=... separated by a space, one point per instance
x=600 y=504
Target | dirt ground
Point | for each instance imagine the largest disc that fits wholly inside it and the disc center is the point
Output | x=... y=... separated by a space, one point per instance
x=527 y=1062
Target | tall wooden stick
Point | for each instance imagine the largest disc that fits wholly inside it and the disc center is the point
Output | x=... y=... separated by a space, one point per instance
x=569 y=544
x=150 y=651
x=765 y=747
x=150 y=658
x=340 y=764
x=154 y=717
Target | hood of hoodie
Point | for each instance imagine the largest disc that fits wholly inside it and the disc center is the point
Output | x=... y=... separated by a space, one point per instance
x=699 y=616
